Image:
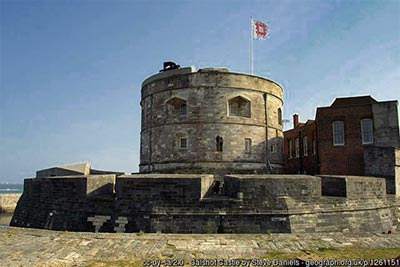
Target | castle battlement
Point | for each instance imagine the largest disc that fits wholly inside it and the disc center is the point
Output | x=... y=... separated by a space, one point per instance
x=182 y=203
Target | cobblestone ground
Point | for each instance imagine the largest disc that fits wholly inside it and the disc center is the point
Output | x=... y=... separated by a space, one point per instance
x=34 y=247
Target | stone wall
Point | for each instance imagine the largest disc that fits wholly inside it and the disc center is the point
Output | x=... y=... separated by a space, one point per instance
x=183 y=203
x=8 y=202
x=64 y=203
x=384 y=162
x=397 y=172
x=386 y=124
x=206 y=95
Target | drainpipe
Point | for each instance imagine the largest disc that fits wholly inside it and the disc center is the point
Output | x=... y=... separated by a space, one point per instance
x=301 y=153
x=150 y=167
x=317 y=147
x=267 y=160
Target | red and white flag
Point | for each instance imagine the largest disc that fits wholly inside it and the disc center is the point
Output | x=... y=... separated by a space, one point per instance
x=260 y=30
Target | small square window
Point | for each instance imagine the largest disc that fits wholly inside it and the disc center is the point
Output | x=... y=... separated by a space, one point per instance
x=183 y=108
x=183 y=143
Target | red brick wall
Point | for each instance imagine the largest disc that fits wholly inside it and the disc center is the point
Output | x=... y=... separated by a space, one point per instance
x=347 y=159
x=302 y=164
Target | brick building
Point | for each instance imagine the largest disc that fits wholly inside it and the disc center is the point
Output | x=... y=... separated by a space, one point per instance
x=300 y=147
x=340 y=137
x=354 y=136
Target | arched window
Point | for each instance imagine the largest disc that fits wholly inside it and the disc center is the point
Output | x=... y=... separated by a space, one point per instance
x=176 y=107
x=239 y=106
x=279 y=116
x=220 y=143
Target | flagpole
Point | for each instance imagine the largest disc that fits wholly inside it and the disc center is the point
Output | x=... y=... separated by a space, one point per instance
x=251 y=45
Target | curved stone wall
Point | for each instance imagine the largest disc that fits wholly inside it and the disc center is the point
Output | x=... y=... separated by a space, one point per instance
x=190 y=203
x=185 y=112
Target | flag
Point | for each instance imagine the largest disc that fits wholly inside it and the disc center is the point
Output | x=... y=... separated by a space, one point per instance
x=260 y=30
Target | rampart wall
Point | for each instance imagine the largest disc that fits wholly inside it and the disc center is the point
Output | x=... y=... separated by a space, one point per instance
x=173 y=203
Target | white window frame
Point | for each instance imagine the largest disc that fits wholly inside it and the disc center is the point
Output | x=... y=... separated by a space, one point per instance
x=365 y=132
x=338 y=133
x=291 y=148
x=305 y=146
x=297 y=147
x=314 y=146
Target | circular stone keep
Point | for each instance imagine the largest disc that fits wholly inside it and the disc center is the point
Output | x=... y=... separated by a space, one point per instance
x=211 y=121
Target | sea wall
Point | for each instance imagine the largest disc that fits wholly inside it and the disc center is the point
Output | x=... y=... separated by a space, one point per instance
x=8 y=202
x=183 y=203
x=64 y=203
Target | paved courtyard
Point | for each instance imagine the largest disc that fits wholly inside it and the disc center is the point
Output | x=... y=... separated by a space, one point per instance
x=34 y=247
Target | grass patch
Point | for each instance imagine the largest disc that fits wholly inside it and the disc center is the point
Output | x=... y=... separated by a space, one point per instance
x=118 y=263
x=327 y=249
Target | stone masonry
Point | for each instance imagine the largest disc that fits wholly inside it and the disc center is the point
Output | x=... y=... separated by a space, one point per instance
x=183 y=203
x=202 y=106
x=26 y=247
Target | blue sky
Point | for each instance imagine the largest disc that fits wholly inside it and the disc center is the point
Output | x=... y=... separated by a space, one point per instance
x=71 y=71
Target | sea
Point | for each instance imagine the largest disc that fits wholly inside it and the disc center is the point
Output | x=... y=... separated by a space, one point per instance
x=8 y=188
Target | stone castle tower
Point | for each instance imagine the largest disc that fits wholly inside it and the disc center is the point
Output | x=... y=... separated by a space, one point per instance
x=210 y=121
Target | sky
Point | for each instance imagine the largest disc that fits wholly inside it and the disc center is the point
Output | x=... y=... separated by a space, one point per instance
x=71 y=71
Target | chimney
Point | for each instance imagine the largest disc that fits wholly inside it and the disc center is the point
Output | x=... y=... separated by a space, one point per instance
x=295 y=120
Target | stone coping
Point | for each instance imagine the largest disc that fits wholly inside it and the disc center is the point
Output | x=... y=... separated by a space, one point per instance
x=271 y=176
x=163 y=176
x=351 y=177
